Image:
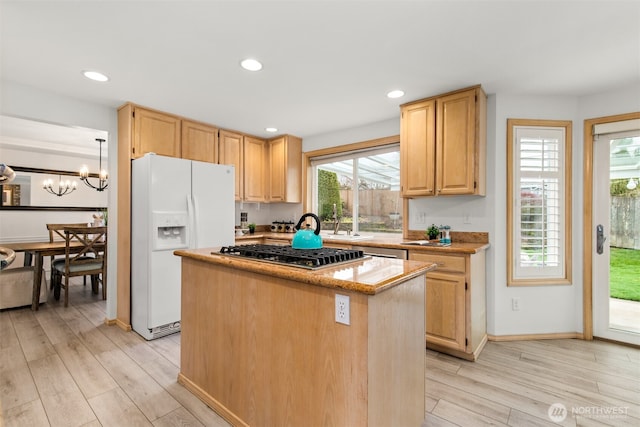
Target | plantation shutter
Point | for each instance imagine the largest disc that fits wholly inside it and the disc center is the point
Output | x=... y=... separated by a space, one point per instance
x=539 y=197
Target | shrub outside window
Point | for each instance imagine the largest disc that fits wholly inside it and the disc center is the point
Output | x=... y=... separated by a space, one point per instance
x=364 y=187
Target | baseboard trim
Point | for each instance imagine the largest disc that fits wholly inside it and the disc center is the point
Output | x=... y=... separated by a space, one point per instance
x=531 y=337
x=119 y=323
x=212 y=403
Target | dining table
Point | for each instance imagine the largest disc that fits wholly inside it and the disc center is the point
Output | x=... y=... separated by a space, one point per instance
x=38 y=250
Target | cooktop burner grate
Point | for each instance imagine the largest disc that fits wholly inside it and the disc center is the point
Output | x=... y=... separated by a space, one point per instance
x=286 y=255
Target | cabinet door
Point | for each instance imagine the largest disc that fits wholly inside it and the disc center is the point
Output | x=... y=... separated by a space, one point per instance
x=199 y=142
x=255 y=177
x=277 y=169
x=417 y=149
x=230 y=153
x=456 y=143
x=445 y=310
x=281 y=242
x=155 y=132
x=285 y=169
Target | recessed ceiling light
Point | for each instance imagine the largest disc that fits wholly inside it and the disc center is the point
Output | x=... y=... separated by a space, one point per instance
x=95 y=76
x=251 y=65
x=271 y=129
x=395 y=94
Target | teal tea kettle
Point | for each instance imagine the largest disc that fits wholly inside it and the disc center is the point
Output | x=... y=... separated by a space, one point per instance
x=307 y=238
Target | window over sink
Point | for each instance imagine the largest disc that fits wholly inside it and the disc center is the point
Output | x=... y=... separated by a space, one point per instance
x=359 y=184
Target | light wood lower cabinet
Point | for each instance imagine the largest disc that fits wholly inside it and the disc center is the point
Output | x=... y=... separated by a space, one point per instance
x=272 y=241
x=455 y=299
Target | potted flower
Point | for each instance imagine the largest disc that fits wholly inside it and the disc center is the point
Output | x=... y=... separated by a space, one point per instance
x=252 y=228
x=433 y=232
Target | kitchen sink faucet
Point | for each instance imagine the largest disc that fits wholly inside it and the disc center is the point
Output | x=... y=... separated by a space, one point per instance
x=336 y=220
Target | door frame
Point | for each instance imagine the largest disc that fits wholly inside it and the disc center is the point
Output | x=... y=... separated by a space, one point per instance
x=587 y=267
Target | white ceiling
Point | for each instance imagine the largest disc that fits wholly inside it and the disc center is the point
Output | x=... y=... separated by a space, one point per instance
x=327 y=64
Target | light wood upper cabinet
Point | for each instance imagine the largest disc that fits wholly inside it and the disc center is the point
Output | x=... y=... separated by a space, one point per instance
x=418 y=149
x=230 y=152
x=255 y=166
x=199 y=142
x=155 y=132
x=285 y=169
x=443 y=141
x=461 y=142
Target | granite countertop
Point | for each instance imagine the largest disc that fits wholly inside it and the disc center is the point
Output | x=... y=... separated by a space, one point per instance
x=463 y=242
x=368 y=276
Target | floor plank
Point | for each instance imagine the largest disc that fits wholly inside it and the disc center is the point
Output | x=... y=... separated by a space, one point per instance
x=64 y=403
x=64 y=366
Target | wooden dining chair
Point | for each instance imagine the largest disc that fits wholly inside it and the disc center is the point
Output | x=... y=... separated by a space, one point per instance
x=56 y=233
x=85 y=254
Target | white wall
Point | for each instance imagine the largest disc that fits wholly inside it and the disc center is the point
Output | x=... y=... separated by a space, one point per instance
x=30 y=103
x=266 y=213
x=546 y=309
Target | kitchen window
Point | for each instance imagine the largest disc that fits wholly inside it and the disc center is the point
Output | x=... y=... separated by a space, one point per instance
x=538 y=202
x=363 y=182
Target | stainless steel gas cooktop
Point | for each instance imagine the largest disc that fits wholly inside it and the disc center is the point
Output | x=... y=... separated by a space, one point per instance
x=286 y=255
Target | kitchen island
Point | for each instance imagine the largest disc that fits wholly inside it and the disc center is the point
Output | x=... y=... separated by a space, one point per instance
x=261 y=346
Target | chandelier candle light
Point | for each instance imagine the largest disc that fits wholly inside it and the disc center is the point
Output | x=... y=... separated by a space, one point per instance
x=103 y=177
x=64 y=187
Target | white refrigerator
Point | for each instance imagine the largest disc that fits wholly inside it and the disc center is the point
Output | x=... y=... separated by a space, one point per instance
x=175 y=204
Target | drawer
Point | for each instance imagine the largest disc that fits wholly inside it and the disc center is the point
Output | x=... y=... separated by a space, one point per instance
x=451 y=263
x=248 y=241
x=281 y=242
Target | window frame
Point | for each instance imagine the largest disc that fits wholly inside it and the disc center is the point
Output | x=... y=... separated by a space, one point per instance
x=513 y=199
x=308 y=157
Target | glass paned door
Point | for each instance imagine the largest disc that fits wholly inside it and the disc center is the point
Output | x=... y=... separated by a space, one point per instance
x=616 y=258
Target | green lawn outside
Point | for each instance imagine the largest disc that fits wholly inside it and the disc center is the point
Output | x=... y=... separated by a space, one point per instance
x=624 y=274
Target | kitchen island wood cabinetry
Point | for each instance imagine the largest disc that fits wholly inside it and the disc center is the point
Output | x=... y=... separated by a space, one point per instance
x=260 y=345
x=199 y=142
x=456 y=321
x=443 y=144
x=285 y=169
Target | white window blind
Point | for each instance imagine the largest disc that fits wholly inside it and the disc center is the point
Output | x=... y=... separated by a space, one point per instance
x=539 y=197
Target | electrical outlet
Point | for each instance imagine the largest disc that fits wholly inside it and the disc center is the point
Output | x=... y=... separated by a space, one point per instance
x=515 y=304
x=467 y=218
x=342 y=309
x=421 y=218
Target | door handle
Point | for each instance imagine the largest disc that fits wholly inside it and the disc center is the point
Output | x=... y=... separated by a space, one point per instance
x=600 y=239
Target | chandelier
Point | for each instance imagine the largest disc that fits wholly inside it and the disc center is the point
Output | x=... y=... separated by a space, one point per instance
x=64 y=187
x=102 y=177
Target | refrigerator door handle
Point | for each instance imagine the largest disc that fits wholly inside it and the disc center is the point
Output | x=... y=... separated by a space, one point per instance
x=191 y=231
x=196 y=220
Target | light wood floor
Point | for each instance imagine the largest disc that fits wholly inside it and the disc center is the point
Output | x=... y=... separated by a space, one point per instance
x=63 y=367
